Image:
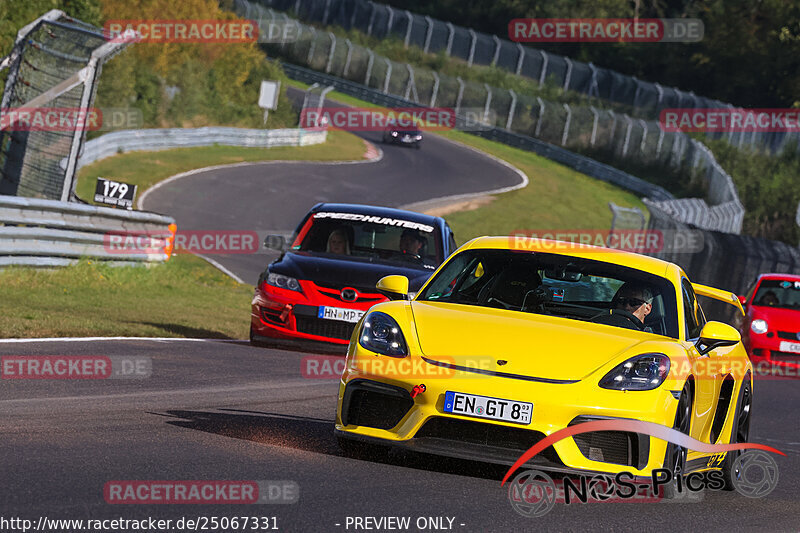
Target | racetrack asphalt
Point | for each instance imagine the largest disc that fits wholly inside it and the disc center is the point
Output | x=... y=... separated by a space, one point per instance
x=223 y=410
x=276 y=195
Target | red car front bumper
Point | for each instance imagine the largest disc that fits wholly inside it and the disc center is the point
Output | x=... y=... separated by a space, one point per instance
x=772 y=349
x=279 y=313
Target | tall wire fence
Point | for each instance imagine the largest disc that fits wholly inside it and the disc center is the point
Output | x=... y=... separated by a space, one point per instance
x=602 y=134
x=54 y=64
x=645 y=99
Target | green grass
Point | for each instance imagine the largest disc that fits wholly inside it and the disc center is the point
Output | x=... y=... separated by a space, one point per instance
x=184 y=297
x=148 y=168
x=557 y=197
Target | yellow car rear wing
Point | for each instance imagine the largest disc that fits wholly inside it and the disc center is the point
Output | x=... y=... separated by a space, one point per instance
x=718 y=294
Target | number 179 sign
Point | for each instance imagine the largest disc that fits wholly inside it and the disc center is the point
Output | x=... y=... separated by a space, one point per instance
x=114 y=193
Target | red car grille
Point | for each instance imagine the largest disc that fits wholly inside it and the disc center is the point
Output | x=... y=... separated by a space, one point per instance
x=788 y=335
x=334 y=329
x=785 y=356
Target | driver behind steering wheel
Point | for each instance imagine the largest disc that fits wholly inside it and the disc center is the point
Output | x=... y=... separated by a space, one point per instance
x=631 y=305
x=411 y=243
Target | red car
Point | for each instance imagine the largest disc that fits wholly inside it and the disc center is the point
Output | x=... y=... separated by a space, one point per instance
x=771 y=328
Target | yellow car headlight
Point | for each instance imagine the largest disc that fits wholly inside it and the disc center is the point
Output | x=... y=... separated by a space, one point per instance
x=382 y=334
x=642 y=372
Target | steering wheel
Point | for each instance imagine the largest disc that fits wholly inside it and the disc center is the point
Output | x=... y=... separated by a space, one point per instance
x=621 y=312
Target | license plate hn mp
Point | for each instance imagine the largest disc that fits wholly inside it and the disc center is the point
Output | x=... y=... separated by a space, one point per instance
x=339 y=313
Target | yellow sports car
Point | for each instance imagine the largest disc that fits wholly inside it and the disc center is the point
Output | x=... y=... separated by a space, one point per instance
x=513 y=339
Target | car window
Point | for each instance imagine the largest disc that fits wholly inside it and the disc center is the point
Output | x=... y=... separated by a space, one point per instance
x=693 y=314
x=551 y=284
x=778 y=293
x=374 y=237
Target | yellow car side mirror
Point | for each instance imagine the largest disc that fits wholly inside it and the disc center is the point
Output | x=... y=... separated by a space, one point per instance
x=716 y=335
x=393 y=287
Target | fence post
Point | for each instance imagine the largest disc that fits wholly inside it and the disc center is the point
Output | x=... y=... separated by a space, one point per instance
x=460 y=93
x=330 y=54
x=451 y=31
x=408 y=29
x=567 y=75
x=520 y=59
x=488 y=102
x=660 y=92
x=472 y=46
x=307 y=93
x=388 y=75
x=353 y=15
x=435 y=88
x=373 y=9
x=497 y=45
x=390 y=21
x=511 y=108
x=411 y=84
x=313 y=45
x=595 y=118
x=594 y=88
x=543 y=73
x=566 y=125
x=370 y=61
x=613 y=129
x=644 y=134
x=627 y=134
x=428 y=34
x=326 y=12
x=540 y=119
x=348 y=58
x=297 y=8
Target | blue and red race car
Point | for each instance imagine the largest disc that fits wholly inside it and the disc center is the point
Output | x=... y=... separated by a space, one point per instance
x=325 y=280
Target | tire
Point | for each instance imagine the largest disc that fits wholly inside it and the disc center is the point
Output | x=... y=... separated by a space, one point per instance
x=361 y=450
x=740 y=431
x=675 y=459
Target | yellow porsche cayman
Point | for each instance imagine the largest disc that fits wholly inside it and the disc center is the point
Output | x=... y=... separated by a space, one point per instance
x=512 y=339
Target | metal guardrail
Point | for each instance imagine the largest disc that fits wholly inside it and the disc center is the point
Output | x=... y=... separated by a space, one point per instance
x=36 y=232
x=518 y=118
x=164 y=139
x=578 y=162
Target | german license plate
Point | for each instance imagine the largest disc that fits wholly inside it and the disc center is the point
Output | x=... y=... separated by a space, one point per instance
x=791 y=347
x=339 y=313
x=486 y=407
